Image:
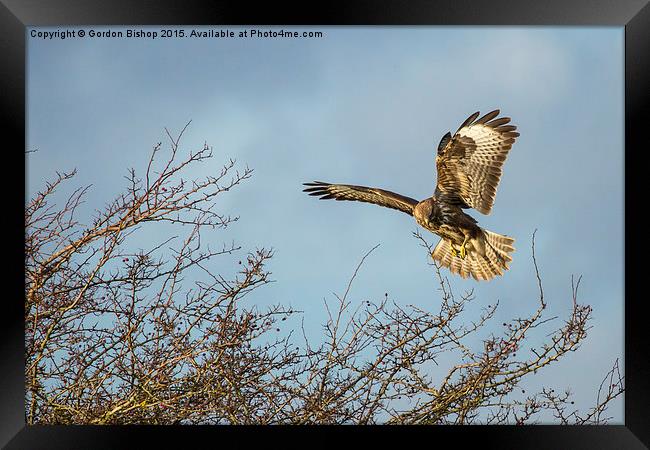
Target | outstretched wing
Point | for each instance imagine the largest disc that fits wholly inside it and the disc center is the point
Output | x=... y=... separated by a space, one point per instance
x=361 y=194
x=469 y=163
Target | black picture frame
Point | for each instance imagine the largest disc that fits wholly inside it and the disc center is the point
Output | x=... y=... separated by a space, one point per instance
x=16 y=15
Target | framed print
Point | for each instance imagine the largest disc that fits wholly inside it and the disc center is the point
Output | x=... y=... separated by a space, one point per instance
x=464 y=277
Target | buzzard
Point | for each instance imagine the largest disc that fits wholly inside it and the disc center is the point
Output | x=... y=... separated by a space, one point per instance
x=469 y=169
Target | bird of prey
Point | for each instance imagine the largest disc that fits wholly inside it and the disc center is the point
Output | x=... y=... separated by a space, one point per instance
x=469 y=169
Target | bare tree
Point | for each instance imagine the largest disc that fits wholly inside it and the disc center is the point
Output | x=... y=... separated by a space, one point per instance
x=116 y=336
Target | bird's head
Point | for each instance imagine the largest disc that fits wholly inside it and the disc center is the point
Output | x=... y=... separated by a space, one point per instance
x=423 y=212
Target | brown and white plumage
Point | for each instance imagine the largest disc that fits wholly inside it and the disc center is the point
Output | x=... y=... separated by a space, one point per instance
x=469 y=166
x=377 y=196
x=469 y=163
x=479 y=266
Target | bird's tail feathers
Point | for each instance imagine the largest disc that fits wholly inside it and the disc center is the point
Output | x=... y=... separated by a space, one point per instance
x=488 y=256
x=501 y=244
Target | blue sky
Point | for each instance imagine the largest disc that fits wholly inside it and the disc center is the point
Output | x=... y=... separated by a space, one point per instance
x=367 y=105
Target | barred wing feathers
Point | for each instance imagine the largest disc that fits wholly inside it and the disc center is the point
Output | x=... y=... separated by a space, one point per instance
x=469 y=163
x=351 y=192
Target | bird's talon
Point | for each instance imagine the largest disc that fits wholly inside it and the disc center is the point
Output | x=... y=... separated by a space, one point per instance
x=463 y=252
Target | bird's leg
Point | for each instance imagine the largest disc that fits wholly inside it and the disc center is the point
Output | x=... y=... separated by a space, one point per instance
x=454 y=252
x=463 y=250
